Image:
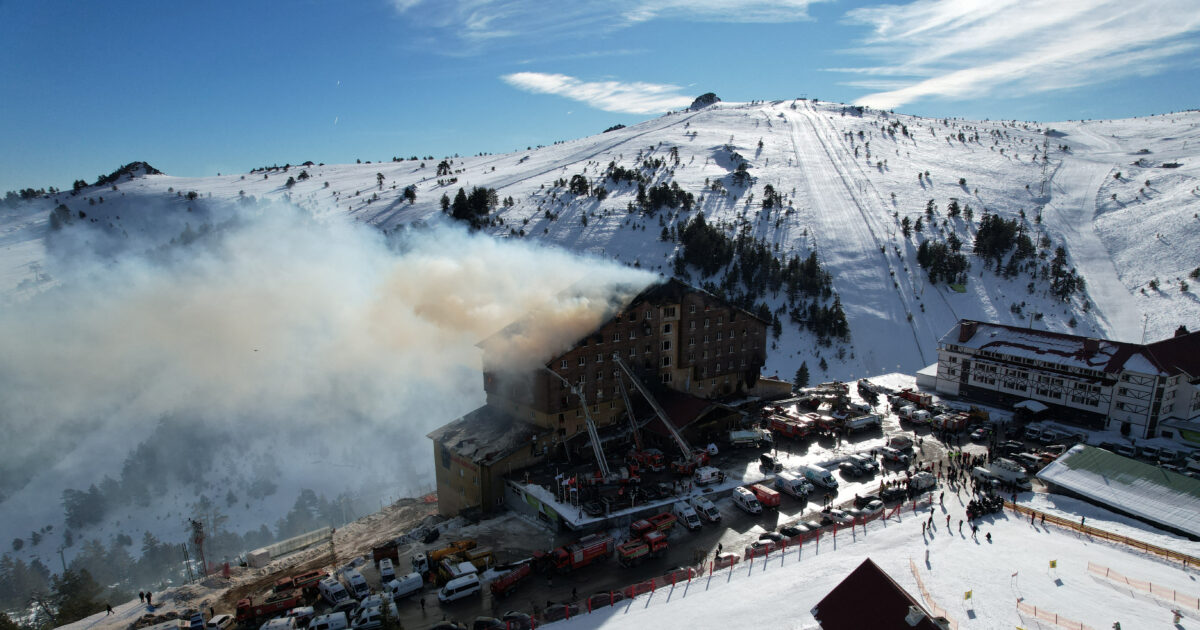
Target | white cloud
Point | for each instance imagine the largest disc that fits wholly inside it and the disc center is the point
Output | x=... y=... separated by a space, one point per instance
x=961 y=49
x=479 y=21
x=610 y=96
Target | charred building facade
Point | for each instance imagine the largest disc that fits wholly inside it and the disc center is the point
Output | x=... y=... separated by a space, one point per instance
x=671 y=336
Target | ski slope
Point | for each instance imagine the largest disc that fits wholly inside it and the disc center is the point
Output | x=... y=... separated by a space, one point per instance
x=847 y=183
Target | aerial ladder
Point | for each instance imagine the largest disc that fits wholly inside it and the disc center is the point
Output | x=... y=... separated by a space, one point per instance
x=649 y=458
x=691 y=458
x=591 y=425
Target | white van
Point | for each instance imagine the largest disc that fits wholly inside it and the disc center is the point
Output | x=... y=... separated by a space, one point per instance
x=406 y=585
x=282 y=623
x=687 y=515
x=706 y=475
x=387 y=572
x=791 y=484
x=355 y=583
x=746 y=500
x=332 y=621
x=706 y=509
x=459 y=588
x=332 y=591
x=819 y=476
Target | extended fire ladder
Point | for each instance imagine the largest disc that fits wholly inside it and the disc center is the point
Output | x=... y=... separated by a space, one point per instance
x=591 y=425
x=688 y=453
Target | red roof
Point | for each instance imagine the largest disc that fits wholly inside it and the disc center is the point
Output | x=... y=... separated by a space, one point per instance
x=869 y=598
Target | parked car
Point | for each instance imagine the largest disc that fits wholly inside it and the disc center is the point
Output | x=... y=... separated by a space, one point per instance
x=560 y=611
x=894 y=493
x=862 y=501
x=850 y=469
x=1010 y=446
x=866 y=462
x=892 y=455
x=874 y=507
x=600 y=600
x=761 y=547
x=774 y=536
x=488 y=623
x=794 y=529
x=518 y=620
x=840 y=517
x=981 y=434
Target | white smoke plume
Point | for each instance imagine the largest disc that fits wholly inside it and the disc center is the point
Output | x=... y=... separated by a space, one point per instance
x=325 y=342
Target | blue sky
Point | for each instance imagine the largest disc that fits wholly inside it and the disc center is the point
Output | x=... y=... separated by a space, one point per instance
x=201 y=88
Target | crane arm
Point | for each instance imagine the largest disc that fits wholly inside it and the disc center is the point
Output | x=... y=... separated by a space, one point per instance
x=683 y=445
x=591 y=426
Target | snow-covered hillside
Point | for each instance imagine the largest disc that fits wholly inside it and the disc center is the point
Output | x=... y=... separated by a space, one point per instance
x=846 y=182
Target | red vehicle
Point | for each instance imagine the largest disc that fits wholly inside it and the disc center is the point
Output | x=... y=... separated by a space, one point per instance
x=766 y=496
x=658 y=523
x=248 y=611
x=505 y=584
x=922 y=400
x=651 y=459
x=788 y=427
x=577 y=555
x=305 y=582
x=633 y=552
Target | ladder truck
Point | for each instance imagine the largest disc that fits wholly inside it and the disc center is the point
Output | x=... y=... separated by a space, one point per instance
x=691 y=458
x=605 y=472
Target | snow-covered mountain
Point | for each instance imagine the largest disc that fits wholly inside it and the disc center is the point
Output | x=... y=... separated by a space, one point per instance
x=1120 y=199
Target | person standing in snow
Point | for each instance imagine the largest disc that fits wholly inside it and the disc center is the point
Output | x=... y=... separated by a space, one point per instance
x=142 y=596
x=108 y=607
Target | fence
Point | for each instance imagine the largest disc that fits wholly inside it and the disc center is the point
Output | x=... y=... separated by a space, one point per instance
x=1041 y=614
x=1146 y=587
x=294 y=543
x=1186 y=560
x=558 y=612
x=937 y=611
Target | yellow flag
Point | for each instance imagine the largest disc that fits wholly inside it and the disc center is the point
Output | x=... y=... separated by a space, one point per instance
x=967 y=595
x=1054 y=564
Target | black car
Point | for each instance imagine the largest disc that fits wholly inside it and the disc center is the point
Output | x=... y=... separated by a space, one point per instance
x=850 y=469
x=793 y=530
x=776 y=536
x=557 y=612
x=518 y=620
x=488 y=623
x=862 y=501
x=1010 y=446
x=895 y=493
x=600 y=600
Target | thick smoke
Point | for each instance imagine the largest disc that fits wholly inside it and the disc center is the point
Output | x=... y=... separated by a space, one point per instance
x=326 y=343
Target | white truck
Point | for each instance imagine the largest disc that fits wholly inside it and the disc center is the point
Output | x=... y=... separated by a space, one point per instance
x=794 y=485
x=922 y=481
x=819 y=476
x=864 y=422
x=706 y=509
x=1008 y=470
x=750 y=437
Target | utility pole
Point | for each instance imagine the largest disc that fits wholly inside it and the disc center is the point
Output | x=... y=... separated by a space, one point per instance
x=63 y=559
x=198 y=540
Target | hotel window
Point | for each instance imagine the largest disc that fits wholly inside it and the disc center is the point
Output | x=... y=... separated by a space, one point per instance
x=666 y=329
x=666 y=361
x=616 y=337
x=691 y=341
x=582 y=360
x=563 y=364
x=666 y=344
x=669 y=311
x=691 y=308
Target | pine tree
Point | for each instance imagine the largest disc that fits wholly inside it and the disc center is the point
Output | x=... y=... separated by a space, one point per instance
x=75 y=596
x=802 y=376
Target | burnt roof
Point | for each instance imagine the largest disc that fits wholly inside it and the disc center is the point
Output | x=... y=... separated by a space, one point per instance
x=485 y=435
x=869 y=598
x=622 y=298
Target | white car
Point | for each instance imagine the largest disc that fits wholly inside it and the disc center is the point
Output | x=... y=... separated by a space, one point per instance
x=874 y=507
x=840 y=517
x=892 y=455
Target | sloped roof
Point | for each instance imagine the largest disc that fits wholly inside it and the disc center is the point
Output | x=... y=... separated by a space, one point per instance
x=1168 y=356
x=485 y=435
x=1130 y=486
x=869 y=598
x=683 y=409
